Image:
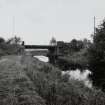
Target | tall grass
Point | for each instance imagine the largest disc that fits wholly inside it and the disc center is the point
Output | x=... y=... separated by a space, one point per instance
x=56 y=89
x=15 y=87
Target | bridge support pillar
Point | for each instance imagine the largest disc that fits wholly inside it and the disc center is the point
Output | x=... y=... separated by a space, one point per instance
x=52 y=59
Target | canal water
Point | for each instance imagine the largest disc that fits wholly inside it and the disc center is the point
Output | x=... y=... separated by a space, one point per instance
x=74 y=74
x=42 y=58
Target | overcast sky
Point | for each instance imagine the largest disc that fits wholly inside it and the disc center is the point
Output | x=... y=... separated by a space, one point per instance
x=36 y=21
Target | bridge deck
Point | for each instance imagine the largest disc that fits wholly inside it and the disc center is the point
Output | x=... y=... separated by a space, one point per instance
x=39 y=47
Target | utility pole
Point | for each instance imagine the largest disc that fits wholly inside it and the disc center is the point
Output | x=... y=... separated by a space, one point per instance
x=94 y=25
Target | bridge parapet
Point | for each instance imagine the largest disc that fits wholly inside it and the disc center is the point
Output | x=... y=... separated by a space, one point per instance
x=39 y=47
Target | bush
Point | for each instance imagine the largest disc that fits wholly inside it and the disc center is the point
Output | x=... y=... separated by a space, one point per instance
x=78 y=60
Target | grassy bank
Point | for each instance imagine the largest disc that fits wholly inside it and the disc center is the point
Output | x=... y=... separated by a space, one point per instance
x=25 y=80
x=16 y=88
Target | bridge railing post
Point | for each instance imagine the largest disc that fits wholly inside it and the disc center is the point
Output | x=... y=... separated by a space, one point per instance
x=23 y=43
x=23 y=48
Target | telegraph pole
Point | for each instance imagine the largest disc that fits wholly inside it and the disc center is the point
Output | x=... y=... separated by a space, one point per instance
x=94 y=25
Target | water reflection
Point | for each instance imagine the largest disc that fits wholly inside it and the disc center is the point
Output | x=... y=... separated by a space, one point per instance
x=42 y=58
x=81 y=76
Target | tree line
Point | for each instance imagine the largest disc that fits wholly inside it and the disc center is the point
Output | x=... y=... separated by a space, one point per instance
x=10 y=46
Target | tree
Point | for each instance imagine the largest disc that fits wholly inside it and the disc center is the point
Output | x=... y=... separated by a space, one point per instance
x=53 y=41
x=86 y=43
x=14 y=40
x=97 y=57
x=2 y=40
x=76 y=45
